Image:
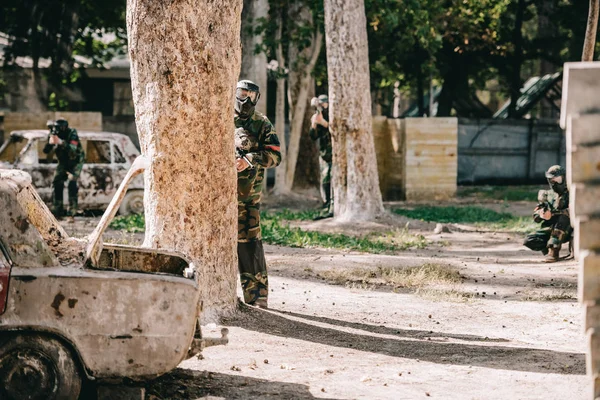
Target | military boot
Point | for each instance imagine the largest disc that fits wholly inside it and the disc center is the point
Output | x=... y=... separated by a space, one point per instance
x=553 y=255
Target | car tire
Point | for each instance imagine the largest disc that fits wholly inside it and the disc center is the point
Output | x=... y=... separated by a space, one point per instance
x=133 y=203
x=38 y=367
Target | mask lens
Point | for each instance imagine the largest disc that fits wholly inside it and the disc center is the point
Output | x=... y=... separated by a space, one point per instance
x=243 y=94
x=557 y=180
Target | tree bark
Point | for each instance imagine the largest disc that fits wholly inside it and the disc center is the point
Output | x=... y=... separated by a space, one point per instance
x=254 y=64
x=355 y=180
x=185 y=59
x=307 y=170
x=301 y=65
x=280 y=186
x=590 y=31
x=517 y=60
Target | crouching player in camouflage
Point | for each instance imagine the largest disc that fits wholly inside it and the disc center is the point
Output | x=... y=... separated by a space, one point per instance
x=553 y=212
x=257 y=148
x=69 y=153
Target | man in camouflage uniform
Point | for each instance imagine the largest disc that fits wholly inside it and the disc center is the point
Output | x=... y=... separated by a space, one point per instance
x=65 y=142
x=257 y=148
x=553 y=212
x=319 y=130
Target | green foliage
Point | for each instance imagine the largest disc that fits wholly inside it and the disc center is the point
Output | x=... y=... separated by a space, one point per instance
x=57 y=30
x=275 y=230
x=479 y=216
x=506 y=193
x=134 y=223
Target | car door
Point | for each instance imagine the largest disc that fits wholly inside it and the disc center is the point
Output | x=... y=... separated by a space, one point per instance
x=96 y=182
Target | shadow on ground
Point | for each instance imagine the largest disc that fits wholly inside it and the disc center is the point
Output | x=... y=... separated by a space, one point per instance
x=186 y=384
x=432 y=349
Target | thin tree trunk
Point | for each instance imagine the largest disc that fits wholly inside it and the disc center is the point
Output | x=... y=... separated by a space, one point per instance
x=590 y=31
x=355 y=179
x=301 y=66
x=420 y=90
x=254 y=64
x=185 y=60
x=517 y=60
x=307 y=170
x=280 y=175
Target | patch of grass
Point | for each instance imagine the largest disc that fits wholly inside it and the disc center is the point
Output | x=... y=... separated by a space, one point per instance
x=446 y=295
x=276 y=231
x=410 y=277
x=506 y=193
x=479 y=216
x=134 y=223
x=556 y=295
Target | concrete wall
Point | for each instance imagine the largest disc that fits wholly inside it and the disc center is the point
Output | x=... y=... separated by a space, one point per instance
x=501 y=151
x=580 y=116
x=416 y=157
x=122 y=124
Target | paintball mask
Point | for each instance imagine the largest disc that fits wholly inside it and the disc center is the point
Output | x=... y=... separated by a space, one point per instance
x=247 y=94
x=556 y=178
x=61 y=127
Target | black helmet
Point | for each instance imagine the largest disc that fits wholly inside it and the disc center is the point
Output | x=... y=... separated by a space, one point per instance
x=556 y=176
x=247 y=94
x=62 y=123
x=62 y=127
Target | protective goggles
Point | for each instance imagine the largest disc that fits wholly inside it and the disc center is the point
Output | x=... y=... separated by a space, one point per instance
x=243 y=94
x=556 y=179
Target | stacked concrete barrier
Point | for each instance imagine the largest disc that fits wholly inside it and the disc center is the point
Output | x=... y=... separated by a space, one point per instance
x=580 y=116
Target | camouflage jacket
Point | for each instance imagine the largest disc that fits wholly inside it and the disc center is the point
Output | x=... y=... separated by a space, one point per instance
x=322 y=134
x=557 y=203
x=261 y=145
x=69 y=151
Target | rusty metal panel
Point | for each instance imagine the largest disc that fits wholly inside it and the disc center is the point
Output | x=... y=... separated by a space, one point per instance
x=122 y=324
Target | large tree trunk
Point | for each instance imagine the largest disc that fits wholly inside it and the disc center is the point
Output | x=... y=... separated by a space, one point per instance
x=355 y=180
x=302 y=64
x=185 y=59
x=254 y=65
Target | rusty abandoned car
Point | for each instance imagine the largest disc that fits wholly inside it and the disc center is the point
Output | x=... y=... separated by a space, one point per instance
x=108 y=156
x=73 y=309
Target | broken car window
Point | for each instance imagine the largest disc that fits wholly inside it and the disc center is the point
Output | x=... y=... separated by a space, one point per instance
x=119 y=159
x=97 y=152
x=12 y=149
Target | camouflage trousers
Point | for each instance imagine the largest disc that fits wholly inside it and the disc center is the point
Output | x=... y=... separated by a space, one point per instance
x=251 y=256
x=551 y=234
x=325 y=167
x=65 y=173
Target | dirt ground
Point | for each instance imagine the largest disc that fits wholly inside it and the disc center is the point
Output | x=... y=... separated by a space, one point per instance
x=512 y=329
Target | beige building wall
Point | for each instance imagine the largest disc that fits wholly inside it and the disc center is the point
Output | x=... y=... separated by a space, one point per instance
x=82 y=121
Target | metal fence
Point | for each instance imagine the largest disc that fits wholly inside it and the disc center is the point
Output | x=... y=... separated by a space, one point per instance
x=507 y=152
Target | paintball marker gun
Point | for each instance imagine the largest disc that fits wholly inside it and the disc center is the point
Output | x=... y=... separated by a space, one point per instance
x=242 y=155
x=51 y=127
x=543 y=204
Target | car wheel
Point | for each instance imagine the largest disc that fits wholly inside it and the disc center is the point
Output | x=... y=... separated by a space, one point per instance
x=37 y=367
x=133 y=203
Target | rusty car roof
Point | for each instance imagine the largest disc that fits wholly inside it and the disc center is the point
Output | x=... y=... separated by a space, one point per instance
x=17 y=177
x=43 y=133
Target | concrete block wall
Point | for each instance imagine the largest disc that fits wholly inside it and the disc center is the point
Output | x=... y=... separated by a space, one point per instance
x=580 y=116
